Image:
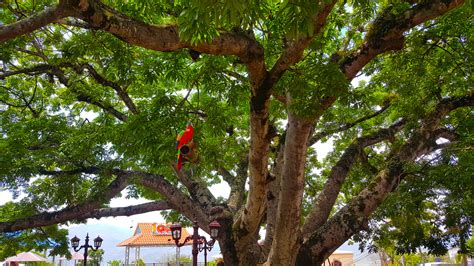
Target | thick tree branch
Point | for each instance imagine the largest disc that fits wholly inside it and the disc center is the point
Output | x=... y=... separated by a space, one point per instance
x=129 y=210
x=387 y=31
x=91 y=208
x=285 y=242
x=273 y=195
x=159 y=38
x=175 y=198
x=198 y=191
x=74 y=212
x=97 y=214
x=237 y=192
x=248 y=221
x=29 y=24
x=354 y=216
x=166 y=37
x=327 y=197
x=294 y=52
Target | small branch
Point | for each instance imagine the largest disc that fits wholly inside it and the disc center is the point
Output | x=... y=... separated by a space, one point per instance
x=226 y=175
x=107 y=83
x=104 y=106
x=29 y=101
x=21 y=97
x=199 y=113
x=36 y=70
x=235 y=75
x=364 y=159
x=185 y=98
x=81 y=96
x=86 y=170
x=317 y=137
x=74 y=23
x=236 y=183
x=281 y=98
x=447 y=134
x=38 y=54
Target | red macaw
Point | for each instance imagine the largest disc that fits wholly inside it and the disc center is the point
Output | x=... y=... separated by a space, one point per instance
x=184 y=137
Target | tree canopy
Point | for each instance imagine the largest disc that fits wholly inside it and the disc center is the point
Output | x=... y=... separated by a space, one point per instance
x=93 y=94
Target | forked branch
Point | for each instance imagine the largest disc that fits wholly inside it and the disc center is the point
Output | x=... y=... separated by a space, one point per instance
x=354 y=216
x=386 y=33
x=84 y=210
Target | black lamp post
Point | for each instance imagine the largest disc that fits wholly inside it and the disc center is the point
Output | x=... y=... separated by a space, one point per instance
x=200 y=243
x=75 y=245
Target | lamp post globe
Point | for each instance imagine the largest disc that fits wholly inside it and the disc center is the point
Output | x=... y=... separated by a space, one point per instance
x=75 y=242
x=175 y=231
x=98 y=242
x=214 y=229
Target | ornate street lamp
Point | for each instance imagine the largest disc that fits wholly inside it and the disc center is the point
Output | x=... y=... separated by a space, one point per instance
x=75 y=245
x=200 y=243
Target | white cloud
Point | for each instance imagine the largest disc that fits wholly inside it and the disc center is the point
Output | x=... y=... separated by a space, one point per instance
x=5 y=196
x=355 y=82
x=220 y=190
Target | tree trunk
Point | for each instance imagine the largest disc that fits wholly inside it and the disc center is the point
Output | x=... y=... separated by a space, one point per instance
x=287 y=228
x=464 y=260
x=226 y=243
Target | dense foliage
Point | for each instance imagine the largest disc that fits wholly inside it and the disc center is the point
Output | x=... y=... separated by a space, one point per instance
x=93 y=96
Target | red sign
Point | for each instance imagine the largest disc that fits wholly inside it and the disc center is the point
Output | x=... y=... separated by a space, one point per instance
x=159 y=229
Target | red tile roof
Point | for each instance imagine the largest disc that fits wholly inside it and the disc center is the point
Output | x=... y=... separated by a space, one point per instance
x=152 y=234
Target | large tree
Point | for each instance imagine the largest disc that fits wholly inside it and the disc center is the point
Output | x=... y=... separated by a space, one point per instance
x=93 y=94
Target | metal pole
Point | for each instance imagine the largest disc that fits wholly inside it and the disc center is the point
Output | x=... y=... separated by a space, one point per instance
x=177 y=256
x=205 y=254
x=195 y=242
x=86 y=246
